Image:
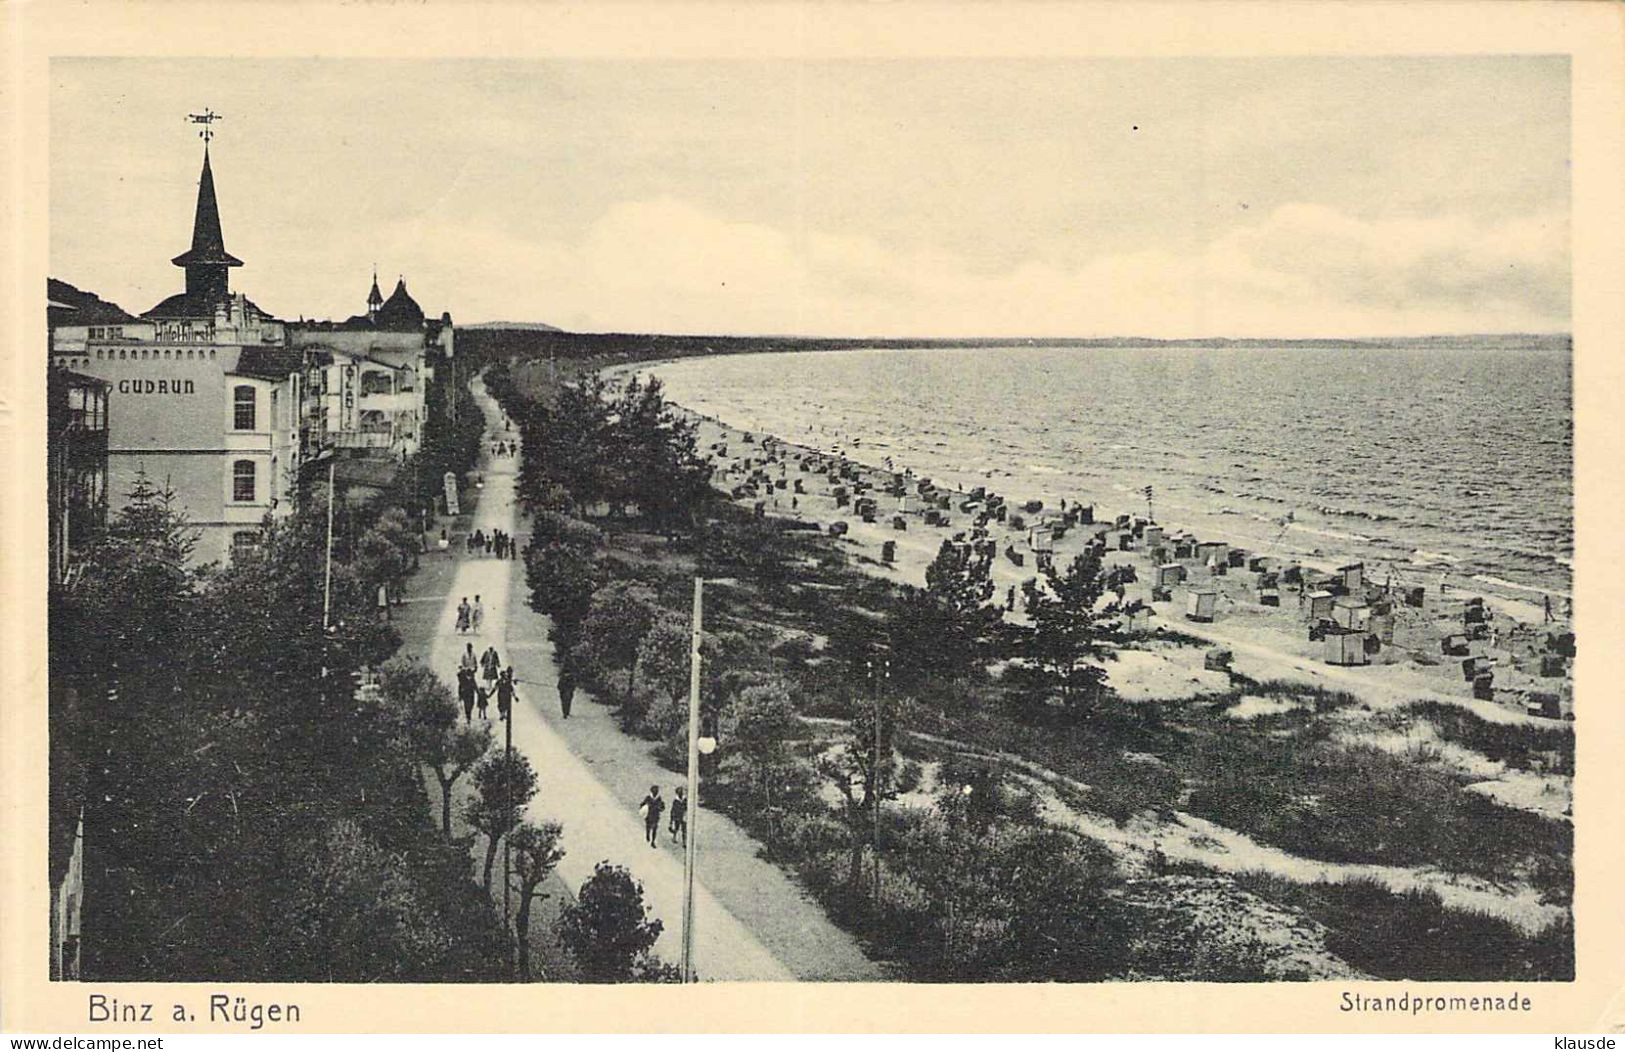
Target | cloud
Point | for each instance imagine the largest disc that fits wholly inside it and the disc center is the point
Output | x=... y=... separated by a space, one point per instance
x=1303 y=269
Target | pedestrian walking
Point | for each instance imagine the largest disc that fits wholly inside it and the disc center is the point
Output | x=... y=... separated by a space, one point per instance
x=478 y=545
x=464 y=613
x=679 y=814
x=490 y=664
x=383 y=601
x=465 y=692
x=483 y=697
x=445 y=541
x=477 y=615
x=651 y=809
x=567 y=692
x=505 y=693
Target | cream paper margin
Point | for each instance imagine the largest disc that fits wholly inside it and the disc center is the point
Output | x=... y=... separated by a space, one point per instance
x=1591 y=33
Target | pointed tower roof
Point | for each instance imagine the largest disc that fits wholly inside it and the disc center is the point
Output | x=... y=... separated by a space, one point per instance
x=375 y=298
x=400 y=311
x=208 y=244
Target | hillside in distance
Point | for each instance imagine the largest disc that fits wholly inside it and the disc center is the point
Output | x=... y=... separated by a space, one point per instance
x=536 y=340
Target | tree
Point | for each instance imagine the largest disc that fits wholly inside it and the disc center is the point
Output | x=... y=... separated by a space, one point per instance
x=360 y=905
x=960 y=578
x=664 y=655
x=562 y=579
x=923 y=637
x=864 y=774
x=608 y=930
x=536 y=853
x=764 y=723
x=504 y=785
x=653 y=456
x=618 y=619
x=427 y=713
x=1070 y=629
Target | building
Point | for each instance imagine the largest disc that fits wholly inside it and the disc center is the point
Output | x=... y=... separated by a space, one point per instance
x=205 y=392
x=76 y=491
x=367 y=377
x=76 y=455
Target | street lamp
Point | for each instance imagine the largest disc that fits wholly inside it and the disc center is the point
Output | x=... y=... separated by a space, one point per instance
x=698 y=744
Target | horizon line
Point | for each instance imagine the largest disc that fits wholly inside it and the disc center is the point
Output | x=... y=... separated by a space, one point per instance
x=520 y=326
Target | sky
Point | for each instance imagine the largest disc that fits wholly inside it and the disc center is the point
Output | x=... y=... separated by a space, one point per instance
x=1165 y=197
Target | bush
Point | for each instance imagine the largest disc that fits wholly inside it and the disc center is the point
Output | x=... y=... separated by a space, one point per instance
x=608 y=930
x=1512 y=744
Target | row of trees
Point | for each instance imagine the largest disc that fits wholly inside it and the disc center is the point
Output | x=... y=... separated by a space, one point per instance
x=626 y=449
x=606 y=929
x=249 y=814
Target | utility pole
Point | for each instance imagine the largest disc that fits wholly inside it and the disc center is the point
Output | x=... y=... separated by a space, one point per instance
x=507 y=841
x=327 y=573
x=885 y=674
x=693 y=783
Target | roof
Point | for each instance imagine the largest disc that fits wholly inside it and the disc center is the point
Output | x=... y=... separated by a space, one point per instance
x=268 y=363
x=195 y=305
x=400 y=311
x=71 y=378
x=66 y=305
x=208 y=243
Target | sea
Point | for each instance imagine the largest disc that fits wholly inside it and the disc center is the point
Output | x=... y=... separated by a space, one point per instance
x=1429 y=462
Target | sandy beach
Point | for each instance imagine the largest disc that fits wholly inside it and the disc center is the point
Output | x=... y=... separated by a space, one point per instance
x=819 y=487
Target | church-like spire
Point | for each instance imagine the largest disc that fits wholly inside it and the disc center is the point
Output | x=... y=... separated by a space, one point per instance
x=206 y=262
x=375 y=299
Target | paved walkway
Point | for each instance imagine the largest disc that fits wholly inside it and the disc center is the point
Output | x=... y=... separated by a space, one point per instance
x=592 y=777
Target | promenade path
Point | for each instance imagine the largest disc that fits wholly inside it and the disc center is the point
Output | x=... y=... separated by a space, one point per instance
x=752 y=922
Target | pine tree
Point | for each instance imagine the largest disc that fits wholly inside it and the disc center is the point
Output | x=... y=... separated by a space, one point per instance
x=1070 y=630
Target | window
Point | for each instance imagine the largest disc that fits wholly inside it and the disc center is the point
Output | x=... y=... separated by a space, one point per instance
x=242 y=481
x=242 y=400
x=244 y=542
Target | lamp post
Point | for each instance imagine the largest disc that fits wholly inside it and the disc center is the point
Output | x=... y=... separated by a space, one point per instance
x=698 y=745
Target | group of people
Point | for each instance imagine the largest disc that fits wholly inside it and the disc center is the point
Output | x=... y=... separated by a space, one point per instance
x=479 y=678
x=504 y=449
x=653 y=806
x=470 y=616
x=495 y=543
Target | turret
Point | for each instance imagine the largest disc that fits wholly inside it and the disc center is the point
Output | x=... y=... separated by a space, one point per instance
x=207 y=262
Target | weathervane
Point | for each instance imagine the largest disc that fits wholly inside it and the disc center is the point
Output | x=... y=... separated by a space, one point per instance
x=207 y=119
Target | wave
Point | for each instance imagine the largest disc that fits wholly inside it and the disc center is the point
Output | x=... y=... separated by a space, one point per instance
x=1333 y=534
x=1502 y=583
x=1356 y=513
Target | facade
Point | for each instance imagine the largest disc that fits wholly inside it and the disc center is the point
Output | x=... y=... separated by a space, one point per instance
x=76 y=491
x=76 y=451
x=205 y=393
x=225 y=404
x=367 y=377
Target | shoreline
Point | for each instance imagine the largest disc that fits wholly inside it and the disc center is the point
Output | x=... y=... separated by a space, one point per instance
x=1329 y=537
x=1265 y=642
